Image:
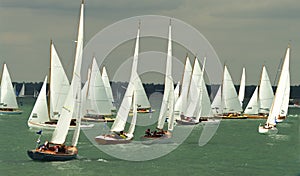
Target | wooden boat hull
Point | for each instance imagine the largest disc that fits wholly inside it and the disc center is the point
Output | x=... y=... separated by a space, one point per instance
x=234 y=117
x=108 y=140
x=143 y=111
x=263 y=130
x=53 y=126
x=280 y=119
x=255 y=116
x=50 y=156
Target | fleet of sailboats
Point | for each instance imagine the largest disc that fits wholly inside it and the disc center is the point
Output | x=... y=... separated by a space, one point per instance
x=66 y=104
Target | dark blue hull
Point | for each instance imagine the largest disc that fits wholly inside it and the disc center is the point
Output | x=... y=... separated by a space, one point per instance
x=41 y=156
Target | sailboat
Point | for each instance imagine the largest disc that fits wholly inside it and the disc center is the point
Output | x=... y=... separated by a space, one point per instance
x=198 y=98
x=261 y=100
x=168 y=102
x=283 y=84
x=286 y=97
x=129 y=102
x=59 y=87
x=216 y=105
x=56 y=150
x=143 y=104
x=231 y=105
x=22 y=91
x=97 y=105
x=8 y=101
x=181 y=103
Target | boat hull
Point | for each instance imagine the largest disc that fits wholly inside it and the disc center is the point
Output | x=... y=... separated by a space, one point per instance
x=91 y=119
x=11 y=112
x=46 y=126
x=186 y=122
x=271 y=130
x=234 y=117
x=50 y=156
x=146 y=110
x=280 y=119
x=109 y=140
x=255 y=116
x=166 y=135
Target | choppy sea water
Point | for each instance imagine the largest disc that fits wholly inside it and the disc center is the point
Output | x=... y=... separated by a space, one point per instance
x=235 y=149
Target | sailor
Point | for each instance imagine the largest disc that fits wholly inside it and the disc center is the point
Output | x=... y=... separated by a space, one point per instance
x=122 y=135
x=148 y=132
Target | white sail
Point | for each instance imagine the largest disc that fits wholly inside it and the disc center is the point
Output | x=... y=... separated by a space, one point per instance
x=206 y=110
x=59 y=84
x=265 y=92
x=39 y=113
x=280 y=91
x=78 y=116
x=122 y=114
x=63 y=124
x=286 y=98
x=171 y=105
x=242 y=87
x=216 y=105
x=176 y=91
x=141 y=97
x=204 y=100
x=194 y=91
x=167 y=106
x=15 y=90
x=134 y=117
x=230 y=101
x=107 y=87
x=181 y=103
x=86 y=104
x=252 y=107
x=8 y=96
x=22 y=91
x=100 y=104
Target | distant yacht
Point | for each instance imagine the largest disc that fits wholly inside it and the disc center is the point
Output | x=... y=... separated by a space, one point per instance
x=8 y=100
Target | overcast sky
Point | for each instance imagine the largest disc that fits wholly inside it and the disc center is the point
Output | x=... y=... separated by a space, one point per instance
x=246 y=33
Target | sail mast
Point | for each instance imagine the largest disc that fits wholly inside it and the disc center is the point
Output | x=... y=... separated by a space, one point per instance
x=50 y=77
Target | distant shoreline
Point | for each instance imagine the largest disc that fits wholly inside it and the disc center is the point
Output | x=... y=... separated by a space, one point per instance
x=150 y=88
